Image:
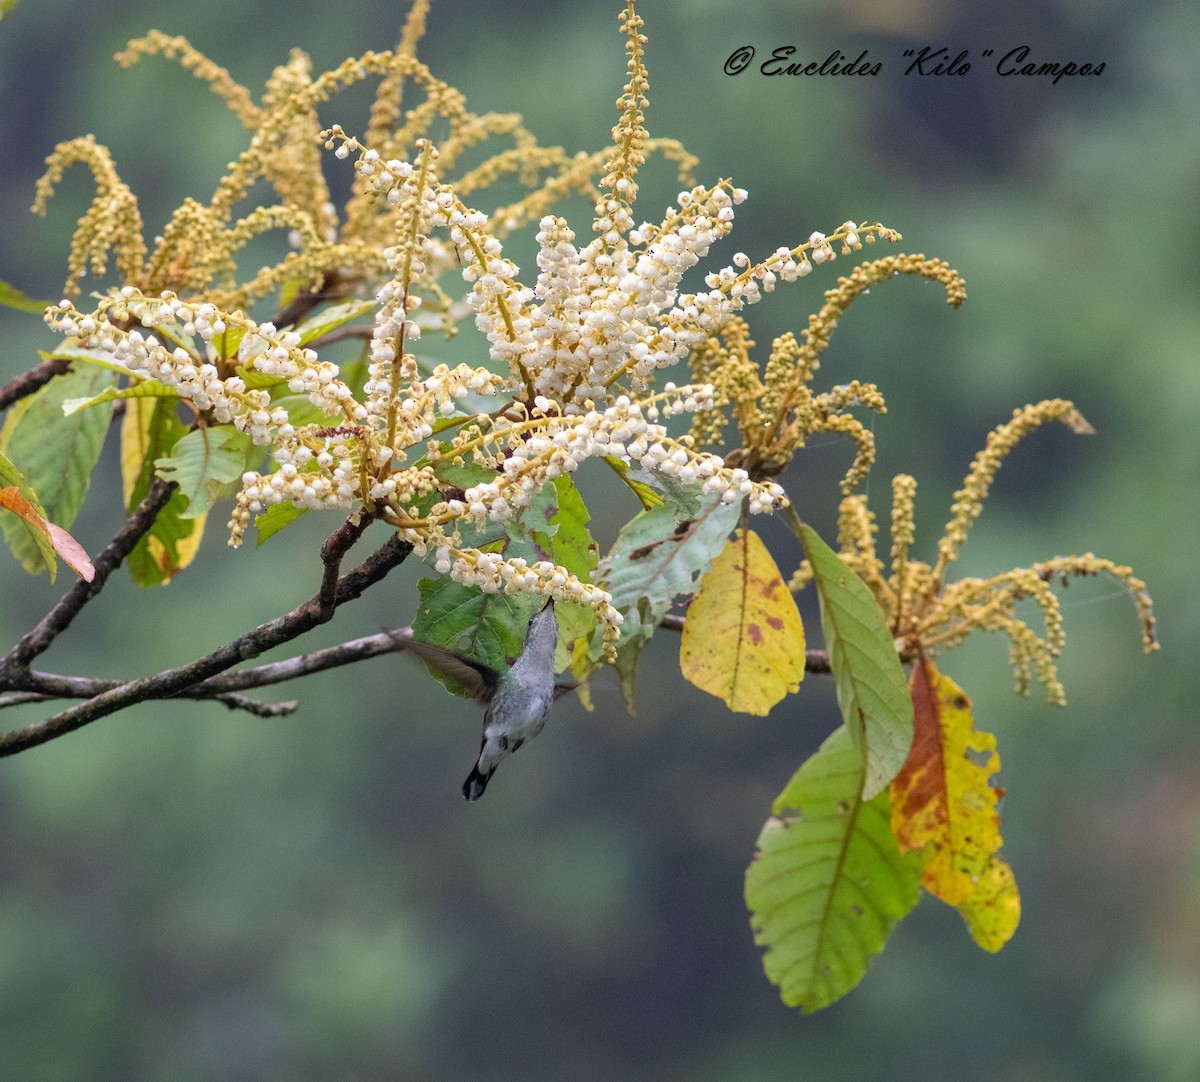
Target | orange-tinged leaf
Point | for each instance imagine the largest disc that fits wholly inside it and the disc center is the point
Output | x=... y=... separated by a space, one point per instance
x=943 y=804
x=743 y=640
x=72 y=552
x=63 y=543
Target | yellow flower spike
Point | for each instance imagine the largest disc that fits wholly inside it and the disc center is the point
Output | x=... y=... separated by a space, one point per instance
x=156 y=43
x=858 y=281
x=856 y=539
x=929 y=615
x=904 y=491
x=112 y=223
x=968 y=501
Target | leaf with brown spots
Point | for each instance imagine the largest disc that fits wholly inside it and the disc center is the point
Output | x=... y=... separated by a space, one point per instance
x=944 y=806
x=743 y=640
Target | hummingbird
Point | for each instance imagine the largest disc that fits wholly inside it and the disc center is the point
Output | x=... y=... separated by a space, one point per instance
x=518 y=699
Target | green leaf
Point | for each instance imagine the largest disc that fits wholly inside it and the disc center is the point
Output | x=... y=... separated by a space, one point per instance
x=328 y=319
x=10 y=296
x=557 y=519
x=646 y=494
x=149 y=388
x=872 y=691
x=487 y=627
x=686 y=497
x=657 y=558
x=55 y=453
x=460 y=474
x=159 y=555
x=828 y=882
x=226 y=344
x=259 y=381
x=43 y=547
x=566 y=541
x=89 y=356
x=289 y=290
x=202 y=462
x=302 y=410
x=276 y=518
x=628 y=656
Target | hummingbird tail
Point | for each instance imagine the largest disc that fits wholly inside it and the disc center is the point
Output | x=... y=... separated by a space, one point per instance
x=476 y=783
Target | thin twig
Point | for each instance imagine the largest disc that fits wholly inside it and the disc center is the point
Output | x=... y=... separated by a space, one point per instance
x=331 y=657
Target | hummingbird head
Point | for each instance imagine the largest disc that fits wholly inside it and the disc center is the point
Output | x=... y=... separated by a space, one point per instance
x=542 y=621
x=542 y=636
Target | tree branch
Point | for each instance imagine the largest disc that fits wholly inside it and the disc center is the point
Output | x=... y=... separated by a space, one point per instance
x=334 y=591
x=45 y=686
x=207 y=677
x=14 y=667
x=29 y=382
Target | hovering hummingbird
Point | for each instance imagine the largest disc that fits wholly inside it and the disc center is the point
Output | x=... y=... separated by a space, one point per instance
x=518 y=699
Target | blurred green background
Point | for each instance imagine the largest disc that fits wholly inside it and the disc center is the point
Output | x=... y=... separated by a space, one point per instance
x=189 y=894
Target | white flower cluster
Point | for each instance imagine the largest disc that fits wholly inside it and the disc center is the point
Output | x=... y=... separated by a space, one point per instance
x=313 y=480
x=608 y=311
x=601 y=317
x=262 y=348
x=401 y=185
x=422 y=203
x=281 y=355
x=448 y=385
x=145 y=355
x=494 y=574
x=599 y=314
x=321 y=477
x=626 y=429
x=579 y=353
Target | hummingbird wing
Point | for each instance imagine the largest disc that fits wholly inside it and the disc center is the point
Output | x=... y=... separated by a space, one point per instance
x=481 y=679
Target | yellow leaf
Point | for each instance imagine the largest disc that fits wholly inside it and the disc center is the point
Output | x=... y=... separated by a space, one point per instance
x=994 y=910
x=171 y=559
x=135 y=441
x=187 y=547
x=943 y=803
x=743 y=640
